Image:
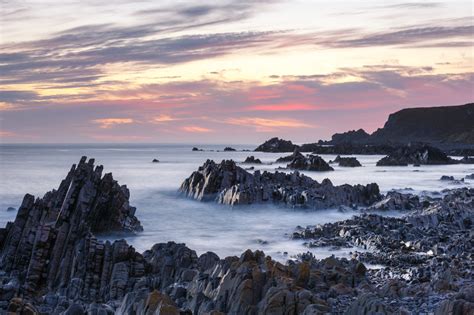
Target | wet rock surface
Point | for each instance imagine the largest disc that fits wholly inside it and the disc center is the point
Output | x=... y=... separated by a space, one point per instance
x=427 y=255
x=230 y=184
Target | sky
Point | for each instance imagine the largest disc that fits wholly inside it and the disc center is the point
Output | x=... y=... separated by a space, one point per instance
x=229 y=71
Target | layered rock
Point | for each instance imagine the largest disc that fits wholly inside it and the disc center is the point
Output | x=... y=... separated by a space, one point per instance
x=295 y=155
x=227 y=183
x=276 y=145
x=414 y=154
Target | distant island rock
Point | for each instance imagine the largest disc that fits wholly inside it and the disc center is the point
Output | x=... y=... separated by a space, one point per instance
x=227 y=149
x=347 y=161
x=276 y=145
x=252 y=160
x=420 y=155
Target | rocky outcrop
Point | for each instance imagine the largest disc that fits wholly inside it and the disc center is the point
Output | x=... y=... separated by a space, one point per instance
x=295 y=155
x=427 y=254
x=309 y=163
x=229 y=149
x=435 y=125
x=227 y=183
x=414 y=154
x=252 y=160
x=347 y=161
x=353 y=136
x=51 y=263
x=276 y=145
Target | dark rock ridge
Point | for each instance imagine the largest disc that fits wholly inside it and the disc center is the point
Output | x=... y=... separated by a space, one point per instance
x=230 y=184
x=228 y=149
x=350 y=137
x=295 y=155
x=436 y=125
x=347 y=161
x=447 y=127
x=252 y=160
x=421 y=155
x=276 y=145
x=309 y=163
x=428 y=254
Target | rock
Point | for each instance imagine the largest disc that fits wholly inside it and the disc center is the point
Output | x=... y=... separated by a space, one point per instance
x=252 y=160
x=397 y=201
x=227 y=183
x=155 y=161
x=447 y=178
x=353 y=136
x=470 y=176
x=11 y=209
x=466 y=160
x=296 y=155
x=227 y=149
x=310 y=163
x=347 y=161
x=276 y=145
x=197 y=149
x=414 y=154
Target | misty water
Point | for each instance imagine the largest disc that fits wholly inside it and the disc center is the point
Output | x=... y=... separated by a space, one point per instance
x=167 y=216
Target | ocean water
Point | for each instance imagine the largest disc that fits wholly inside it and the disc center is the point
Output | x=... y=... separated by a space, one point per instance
x=167 y=216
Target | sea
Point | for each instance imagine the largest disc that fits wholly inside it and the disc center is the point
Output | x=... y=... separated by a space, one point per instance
x=204 y=226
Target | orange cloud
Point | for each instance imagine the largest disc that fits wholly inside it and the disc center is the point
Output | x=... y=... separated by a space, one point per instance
x=282 y=107
x=196 y=129
x=267 y=125
x=110 y=122
x=6 y=134
x=6 y=106
x=163 y=118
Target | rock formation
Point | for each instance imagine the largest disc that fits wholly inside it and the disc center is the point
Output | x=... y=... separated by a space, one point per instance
x=428 y=254
x=229 y=149
x=252 y=160
x=414 y=154
x=309 y=163
x=347 y=161
x=276 y=145
x=227 y=183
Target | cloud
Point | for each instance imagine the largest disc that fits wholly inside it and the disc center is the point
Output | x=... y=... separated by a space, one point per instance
x=196 y=129
x=163 y=118
x=106 y=123
x=267 y=125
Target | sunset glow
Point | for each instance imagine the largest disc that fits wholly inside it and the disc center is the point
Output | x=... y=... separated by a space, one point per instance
x=171 y=71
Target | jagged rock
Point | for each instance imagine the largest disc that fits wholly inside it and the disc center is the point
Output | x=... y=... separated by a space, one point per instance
x=446 y=177
x=397 y=201
x=422 y=155
x=252 y=160
x=227 y=149
x=229 y=184
x=276 y=145
x=471 y=176
x=310 y=163
x=347 y=161
x=296 y=155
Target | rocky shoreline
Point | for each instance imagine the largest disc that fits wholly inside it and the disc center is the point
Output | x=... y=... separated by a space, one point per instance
x=52 y=262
